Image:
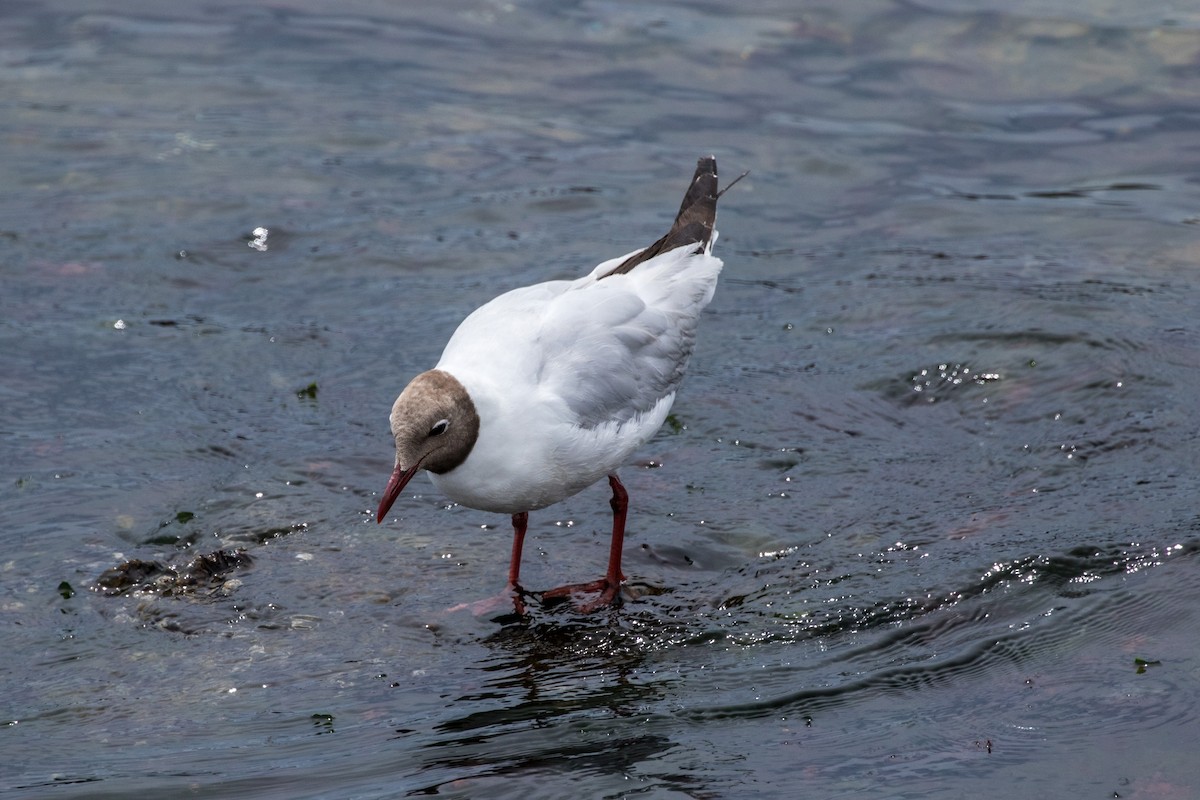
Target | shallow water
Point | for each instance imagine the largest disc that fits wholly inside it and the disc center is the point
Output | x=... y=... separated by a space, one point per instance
x=925 y=526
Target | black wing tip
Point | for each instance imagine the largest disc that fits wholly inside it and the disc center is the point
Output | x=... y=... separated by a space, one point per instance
x=703 y=187
x=694 y=222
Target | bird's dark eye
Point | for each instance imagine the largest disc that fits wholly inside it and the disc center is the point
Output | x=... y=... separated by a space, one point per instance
x=440 y=427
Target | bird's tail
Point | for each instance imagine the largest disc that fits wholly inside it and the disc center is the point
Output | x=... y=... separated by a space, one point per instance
x=693 y=224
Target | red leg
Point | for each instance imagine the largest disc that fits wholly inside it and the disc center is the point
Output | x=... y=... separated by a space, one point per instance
x=513 y=591
x=610 y=584
x=520 y=523
x=620 y=505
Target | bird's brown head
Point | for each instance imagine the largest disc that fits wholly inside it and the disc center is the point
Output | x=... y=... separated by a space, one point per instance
x=435 y=426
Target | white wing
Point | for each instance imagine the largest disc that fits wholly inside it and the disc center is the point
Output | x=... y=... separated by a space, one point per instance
x=608 y=349
x=617 y=346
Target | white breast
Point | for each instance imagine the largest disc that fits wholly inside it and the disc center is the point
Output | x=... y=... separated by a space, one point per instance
x=569 y=378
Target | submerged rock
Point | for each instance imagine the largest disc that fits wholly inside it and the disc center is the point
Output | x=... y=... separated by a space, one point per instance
x=204 y=572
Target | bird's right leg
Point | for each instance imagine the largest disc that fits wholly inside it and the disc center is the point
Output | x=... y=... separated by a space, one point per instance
x=513 y=590
x=520 y=524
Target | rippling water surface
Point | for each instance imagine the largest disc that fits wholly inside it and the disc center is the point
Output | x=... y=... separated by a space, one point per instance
x=925 y=525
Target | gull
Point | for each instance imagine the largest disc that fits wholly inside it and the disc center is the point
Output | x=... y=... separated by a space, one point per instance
x=549 y=388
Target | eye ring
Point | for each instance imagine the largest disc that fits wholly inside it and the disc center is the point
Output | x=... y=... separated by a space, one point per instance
x=439 y=427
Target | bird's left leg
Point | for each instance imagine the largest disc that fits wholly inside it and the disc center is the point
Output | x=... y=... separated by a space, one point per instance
x=610 y=585
x=620 y=506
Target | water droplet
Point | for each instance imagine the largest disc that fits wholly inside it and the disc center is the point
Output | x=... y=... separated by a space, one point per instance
x=259 y=242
